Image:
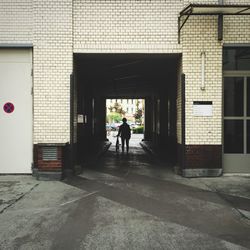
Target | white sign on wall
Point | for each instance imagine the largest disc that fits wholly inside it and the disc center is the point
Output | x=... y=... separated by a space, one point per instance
x=202 y=108
x=79 y=118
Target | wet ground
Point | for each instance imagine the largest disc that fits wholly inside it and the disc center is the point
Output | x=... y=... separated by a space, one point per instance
x=125 y=201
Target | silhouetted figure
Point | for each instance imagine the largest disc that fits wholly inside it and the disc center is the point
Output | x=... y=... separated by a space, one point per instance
x=125 y=133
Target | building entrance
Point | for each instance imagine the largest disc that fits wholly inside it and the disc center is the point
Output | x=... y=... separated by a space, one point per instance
x=148 y=77
x=236 y=63
x=237 y=124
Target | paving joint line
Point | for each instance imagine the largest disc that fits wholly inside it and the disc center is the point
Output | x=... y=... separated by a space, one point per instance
x=237 y=211
x=18 y=199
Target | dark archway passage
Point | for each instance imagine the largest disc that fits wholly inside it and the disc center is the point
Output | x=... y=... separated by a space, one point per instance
x=152 y=77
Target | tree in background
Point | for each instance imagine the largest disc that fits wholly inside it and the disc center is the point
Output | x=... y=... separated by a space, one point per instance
x=116 y=113
x=117 y=108
x=138 y=116
x=114 y=117
x=138 y=113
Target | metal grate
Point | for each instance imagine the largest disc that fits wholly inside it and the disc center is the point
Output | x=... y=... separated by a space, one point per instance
x=49 y=153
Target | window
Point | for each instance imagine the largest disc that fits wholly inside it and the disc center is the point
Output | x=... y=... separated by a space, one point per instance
x=233 y=137
x=236 y=58
x=248 y=96
x=236 y=115
x=248 y=136
x=233 y=96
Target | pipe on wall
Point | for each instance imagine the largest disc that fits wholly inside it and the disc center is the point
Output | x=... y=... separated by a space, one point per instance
x=203 y=58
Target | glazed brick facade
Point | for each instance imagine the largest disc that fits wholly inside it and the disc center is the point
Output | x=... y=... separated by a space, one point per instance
x=57 y=29
x=126 y=26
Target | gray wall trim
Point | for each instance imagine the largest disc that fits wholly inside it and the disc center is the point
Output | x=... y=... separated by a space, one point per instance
x=234 y=73
x=236 y=45
x=16 y=45
x=201 y=172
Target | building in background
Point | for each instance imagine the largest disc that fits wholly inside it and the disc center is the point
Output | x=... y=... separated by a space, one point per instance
x=61 y=60
x=129 y=106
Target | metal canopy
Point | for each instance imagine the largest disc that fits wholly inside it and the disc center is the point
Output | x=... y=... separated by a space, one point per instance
x=212 y=9
x=215 y=9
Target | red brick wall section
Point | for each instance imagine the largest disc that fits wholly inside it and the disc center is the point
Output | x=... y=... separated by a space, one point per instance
x=203 y=156
x=43 y=165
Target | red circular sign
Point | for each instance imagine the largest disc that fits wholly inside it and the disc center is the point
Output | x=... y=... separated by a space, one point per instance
x=8 y=107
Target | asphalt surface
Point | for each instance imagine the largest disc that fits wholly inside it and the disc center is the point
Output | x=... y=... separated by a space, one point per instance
x=125 y=201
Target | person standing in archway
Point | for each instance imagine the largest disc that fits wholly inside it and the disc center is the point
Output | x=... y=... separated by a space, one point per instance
x=125 y=133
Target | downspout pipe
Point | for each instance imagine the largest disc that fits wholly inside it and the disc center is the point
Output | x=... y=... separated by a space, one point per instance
x=220 y=23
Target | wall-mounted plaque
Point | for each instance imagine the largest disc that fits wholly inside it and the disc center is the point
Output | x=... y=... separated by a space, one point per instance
x=202 y=108
x=79 y=118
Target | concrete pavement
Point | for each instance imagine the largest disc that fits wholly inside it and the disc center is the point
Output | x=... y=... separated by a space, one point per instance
x=125 y=202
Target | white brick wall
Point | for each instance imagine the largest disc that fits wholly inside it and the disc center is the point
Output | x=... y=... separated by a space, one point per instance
x=16 y=21
x=237 y=29
x=121 y=26
x=126 y=26
x=200 y=34
x=186 y=2
x=236 y=2
x=52 y=69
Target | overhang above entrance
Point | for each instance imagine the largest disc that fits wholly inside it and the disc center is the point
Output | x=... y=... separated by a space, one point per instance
x=215 y=9
x=212 y=9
